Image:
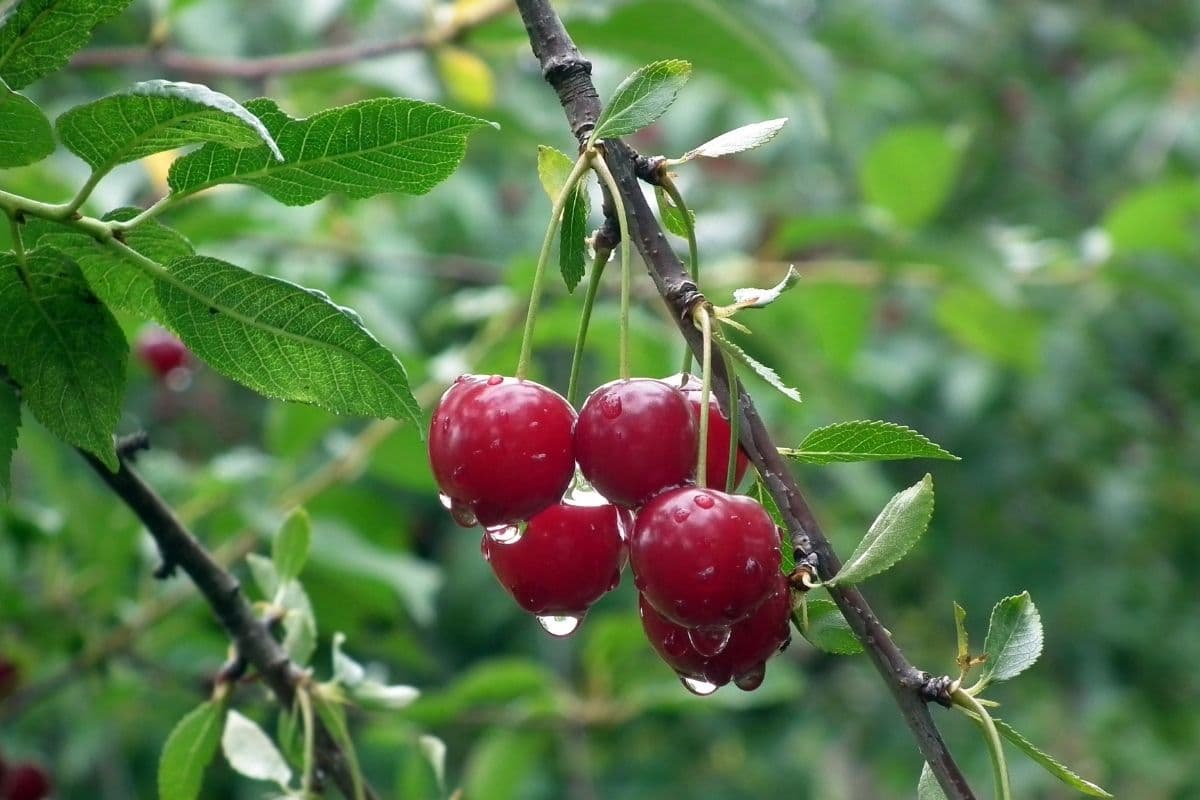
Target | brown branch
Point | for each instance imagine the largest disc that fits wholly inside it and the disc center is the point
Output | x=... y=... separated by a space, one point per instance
x=569 y=74
x=253 y=69
x=251 y=636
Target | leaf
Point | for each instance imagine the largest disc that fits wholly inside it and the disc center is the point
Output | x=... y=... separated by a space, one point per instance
x=503 y=765
x=346 y=671
x=928 y=787
x=963 y=657
x=10 y=426
x=864 y=440
x=265 y=576
x=762 y=370
x=334 y=718
x=252 y=753
x=1009 y=335
x=828 y=629
x=359 y=150
x=760 y=493
x=891 y=535
x=467 y=77
x=38 y=36
x=761 y=298
x=25 y=135
x=64 y=349
x=156 y=116
x=299 y=621
x=289 y=551
x=1160 y=217
x=1014 y=639
x=1048 y=762
x=389 y=696
x=737 y=140
x=672 y=217
x=910 y=170
x=188 y=750
x=434 y=750
x=642 y=98
x=554 y=168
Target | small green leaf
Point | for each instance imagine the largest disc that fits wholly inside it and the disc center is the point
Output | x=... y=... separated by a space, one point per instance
x=38 y=36
x=928 y=787
x=188 y=750
x=289 y=551
x=910 y=170
x=960 y=634
x=1048 y=762
x=334 y=718
x=155 y=116
x=828 y=629
x=762 y=370
x=864 y=440
x=760 y=493
x=1014 y=639
x=299 y=635
x=265 y=576
x=10 y=426
x=672 y=218
x=554 y=168
x=642 y=98
x=359 y=150
x=1160 y=217
x=25 y=135
x=64 y=349
x=737 y=140
x=891 y=535
x=252 y=753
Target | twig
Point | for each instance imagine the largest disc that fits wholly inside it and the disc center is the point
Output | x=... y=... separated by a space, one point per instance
x=570 y=76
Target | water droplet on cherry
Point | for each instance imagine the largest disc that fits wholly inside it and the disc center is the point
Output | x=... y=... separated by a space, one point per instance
x=445 y=500
x=680 y=515
x=495 y=380
x=709 y=642
x=751 y=680
x=703 y=500
x=504 y=534
x=610 y=406
x=560 y=625
x=696 y=686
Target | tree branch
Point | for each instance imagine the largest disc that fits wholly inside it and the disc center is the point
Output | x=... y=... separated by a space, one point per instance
x=224 y=594
x=569 y=74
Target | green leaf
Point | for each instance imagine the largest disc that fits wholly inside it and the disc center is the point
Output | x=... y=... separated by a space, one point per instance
x=1048 y=762
x=910 y=170
x=282 y=340
x=642 y=98
x=1014 y=639
x=434 y=750
x=737 y=140
x=289 y=551
x=960 y=634
x=828 y=629
x=672 y=217
x=928 y=787
x=25 y=135
x=38 y=36
x=1160 y=217
x=759 y=492
x=359 y=150
x=188 y=750
x=864 y=440
x=1010 y=335
x=891 y=535
x=299 y=621
x=504 y=764
x=762 y=370
x=497 y=682
x=10 y=425
x=252 y=753
x=64 y=349
x=334 y=718
x=554 y=168
x=263 y=571
x=155 y=116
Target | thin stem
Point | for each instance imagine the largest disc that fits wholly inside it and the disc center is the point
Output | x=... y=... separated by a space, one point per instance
x=310 y=741
x=626 y=275
x=84 y=193
x=585 y=317
x=965 y=701
x=539 y=272
x=735 y=417
x=160 y=205
x=673 y=192
x=18 y=243
x=705 y=393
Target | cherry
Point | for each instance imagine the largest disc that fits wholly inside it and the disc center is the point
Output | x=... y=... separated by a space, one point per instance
x=566 y=559
x=10 y=676
x=634 y=439
x=25 y=782
x=704 y=558
x=501 y=448
x=717 y=457
x=161 y=351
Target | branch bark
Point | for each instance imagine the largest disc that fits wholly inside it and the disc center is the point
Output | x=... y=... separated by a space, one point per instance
x=569 y=73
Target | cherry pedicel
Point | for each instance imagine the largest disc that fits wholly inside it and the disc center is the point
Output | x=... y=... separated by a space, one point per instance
x=704 y=558
x=717 y=455
x=634 y=439
x=25 y=782
x=501 y=448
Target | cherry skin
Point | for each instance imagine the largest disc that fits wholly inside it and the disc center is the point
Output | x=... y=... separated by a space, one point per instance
x=704 y=558
x=566 y=559
x=26 y=782
x=634 y=439
x=502 y=447
x=717 y=455
x=160 y=351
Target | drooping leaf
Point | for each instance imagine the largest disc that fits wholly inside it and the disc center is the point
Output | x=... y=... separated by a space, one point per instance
x=38 y=36
x=156 y=116
x=290 y=548
x=828 y=629
x=642 y=98
x=928 y=787
x=750 y=297
x=25 y=135
x=1014 y=639
x=434 y=750
x=554 y=168
x=672 y=218
x=910 y=171
x=737 y=140
x=252 y=753
x=188 y=751
x=359 y=150
x=64 y=349
x=1048 y=762
x=891 y=535
x=762 y=370
x=864 y=440
x=10 y=426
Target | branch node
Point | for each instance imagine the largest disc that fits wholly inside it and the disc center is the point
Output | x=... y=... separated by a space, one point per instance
x=936 y=688
x=685 y=296
x=650 y=168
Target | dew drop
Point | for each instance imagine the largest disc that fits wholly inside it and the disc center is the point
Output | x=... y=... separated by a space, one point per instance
x=445 y=500
x=698 y=686
x=709 y=642
x=463 y=515
x=703 y=500
x=496 y=445
x=495 y=380
x=505 y=534
x=538 y=457
x=751 y=680
x=680 y=514
x=560 y=625
x=752 y=568
x=610 y=406
x=706 y=573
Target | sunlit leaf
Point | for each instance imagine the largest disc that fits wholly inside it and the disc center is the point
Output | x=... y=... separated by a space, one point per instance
x=642 y=98
x=1014 y=639
x=187 y=752
x=1009 y=334
x=893 y=533
x=864 y=440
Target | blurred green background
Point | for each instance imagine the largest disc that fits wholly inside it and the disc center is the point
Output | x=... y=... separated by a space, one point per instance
x=995 y=211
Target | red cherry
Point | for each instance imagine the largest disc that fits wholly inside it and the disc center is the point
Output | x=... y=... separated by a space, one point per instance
x=502 y=447
x=717 y=457
x=567 y=558
x=634 y=439
x=161 y=351
x=26 y=782
x=10 y=676
x=704 y=558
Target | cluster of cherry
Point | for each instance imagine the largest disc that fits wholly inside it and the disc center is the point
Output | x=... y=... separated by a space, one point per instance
x=24 y=781
x=713 y=601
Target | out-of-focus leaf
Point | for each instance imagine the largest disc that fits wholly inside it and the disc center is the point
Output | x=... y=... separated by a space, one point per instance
x=1159 y=217
x=188 y=750
x=642 y=98
x=910 y=171
x=434 y=749
x=493 y=682
x=503 y=764
x=893 y=533
x=864 y=440
x=289 y=550
x=252 y=753
x=1010 y=335
x=38 y=36
x=467 y=77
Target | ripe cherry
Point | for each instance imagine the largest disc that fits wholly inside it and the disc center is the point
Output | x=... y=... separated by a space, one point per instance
x=717 y=456
x=704 y=558
x=566 y=559
x=161 y=351
x=634 y=439
x=25 y=782
x=501 y=448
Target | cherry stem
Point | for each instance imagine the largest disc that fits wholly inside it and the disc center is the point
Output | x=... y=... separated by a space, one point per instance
x=626 y=277
x=676 y=196
x=598 y=264
x=539 y=272
x=734 y=419
x=705 y=391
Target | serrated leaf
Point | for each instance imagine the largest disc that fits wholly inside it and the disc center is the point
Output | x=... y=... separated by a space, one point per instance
x=864 y=440
x=252 y=753
x=359 y=150
x=346 y=670
x=672 y=218
x=960 y=635
x=554 y=168
x=156 y=116
x=1048 y=762
x=25 y=135
x=928 y=787
x=1014 y=639
x=289 y=551
x=828 y=629
x=38 y=36
x=762 y=370
x=434 y=750
x=891 y=535
x=282 y=340
x=188 y=750
x=642 y=98
x=761 y=298
x=64 y=349
x=10 y=426
x=737 y=140
x=910 y=170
